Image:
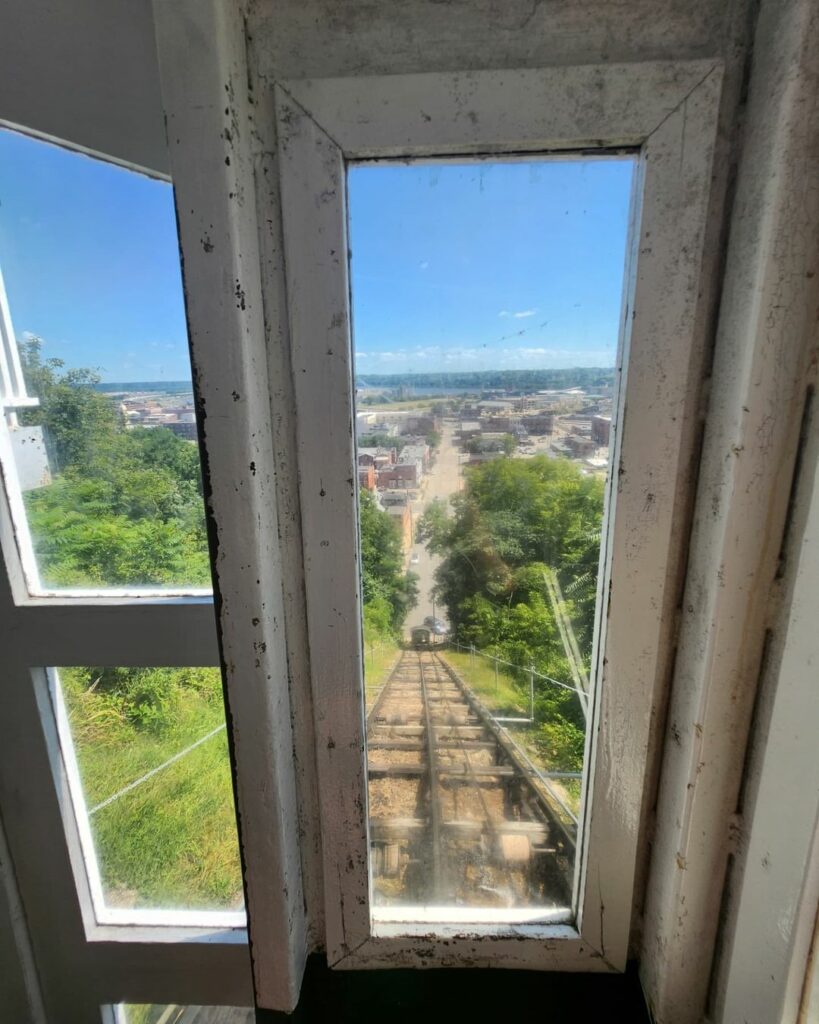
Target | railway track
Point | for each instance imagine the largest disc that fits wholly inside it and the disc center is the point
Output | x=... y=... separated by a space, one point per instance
x=458 y=813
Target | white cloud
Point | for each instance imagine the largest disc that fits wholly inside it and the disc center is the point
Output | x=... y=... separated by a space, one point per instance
x=519 y=315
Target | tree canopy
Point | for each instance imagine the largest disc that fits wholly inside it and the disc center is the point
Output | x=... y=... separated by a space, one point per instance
x=388 y=592
x=516 y=521
x=125 y=506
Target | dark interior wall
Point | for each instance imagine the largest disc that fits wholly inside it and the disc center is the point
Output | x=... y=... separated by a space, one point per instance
x=84 y=71
x=313 y=38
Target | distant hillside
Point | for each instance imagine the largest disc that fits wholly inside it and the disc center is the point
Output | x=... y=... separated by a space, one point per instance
x=481 y=380
x=167 y=387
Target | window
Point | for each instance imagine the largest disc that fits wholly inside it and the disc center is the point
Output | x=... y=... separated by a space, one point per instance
x=146 y=758
x=486 y=309
x=113 y=715
x=101 y=461
x=331 y=133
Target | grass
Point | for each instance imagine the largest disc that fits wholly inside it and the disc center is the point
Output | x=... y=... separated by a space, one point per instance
x=379 y=659
x=502 y=695
x=171 y=841
x=507 y=698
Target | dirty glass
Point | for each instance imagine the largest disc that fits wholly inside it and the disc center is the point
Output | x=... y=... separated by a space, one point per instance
x=97 y=425
x=147 y=760
x=486 y=303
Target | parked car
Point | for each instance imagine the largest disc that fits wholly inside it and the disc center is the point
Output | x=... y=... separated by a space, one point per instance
x=438 y=626
x=415 y=558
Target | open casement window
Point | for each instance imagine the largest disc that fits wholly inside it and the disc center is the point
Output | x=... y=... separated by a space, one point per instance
x=115 y=775
x=663 y=117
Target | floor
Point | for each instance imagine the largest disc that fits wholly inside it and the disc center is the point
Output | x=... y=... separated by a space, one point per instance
x=473 y=996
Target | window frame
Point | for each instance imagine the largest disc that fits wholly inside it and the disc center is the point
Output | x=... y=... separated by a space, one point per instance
x=668 y=113
x=88 y=961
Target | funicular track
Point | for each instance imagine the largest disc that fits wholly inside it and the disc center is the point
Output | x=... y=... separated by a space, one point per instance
x=458 y=814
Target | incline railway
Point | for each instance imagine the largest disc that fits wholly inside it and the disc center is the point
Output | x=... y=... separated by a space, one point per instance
x=459 y=815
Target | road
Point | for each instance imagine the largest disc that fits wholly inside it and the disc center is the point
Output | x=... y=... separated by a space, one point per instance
x=442 y=481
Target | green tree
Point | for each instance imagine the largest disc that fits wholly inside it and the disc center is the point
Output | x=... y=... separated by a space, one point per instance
x=384 y=584
x=76 y=418
x=125 y=506
x=382 y=441
x=516 y=520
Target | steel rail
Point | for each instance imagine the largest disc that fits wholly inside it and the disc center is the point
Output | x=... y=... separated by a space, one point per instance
x=382 y=693
x=434 y=796
x=521 y=761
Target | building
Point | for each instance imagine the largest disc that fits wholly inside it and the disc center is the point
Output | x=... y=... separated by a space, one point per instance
x=498 y=424
x=366 y=477
x=182 y=428
x=395 y=497
x=579 y=445
x=541 y=423
x=422 y=425
x=418 y=454
x=400 y=474
x=378 y=457
x=468 y=429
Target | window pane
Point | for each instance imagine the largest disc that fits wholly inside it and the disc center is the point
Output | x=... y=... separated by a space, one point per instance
x=98 y=418
x=486 y=308
x=146 y=752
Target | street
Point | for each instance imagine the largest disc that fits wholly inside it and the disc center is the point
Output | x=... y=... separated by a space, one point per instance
x=442 y=481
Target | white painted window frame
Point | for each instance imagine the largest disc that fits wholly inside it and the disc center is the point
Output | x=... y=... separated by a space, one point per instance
x=668 y=114
x=775 y=902
x=89 y=956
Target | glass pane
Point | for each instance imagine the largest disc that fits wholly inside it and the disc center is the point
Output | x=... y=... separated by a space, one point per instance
x=97 y=405
x=142 y=1013
x=146 y=751
x=486 y=306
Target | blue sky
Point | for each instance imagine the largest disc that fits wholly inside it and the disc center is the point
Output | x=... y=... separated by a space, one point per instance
x=454 y=266
x=90 y=260
x=493 y=265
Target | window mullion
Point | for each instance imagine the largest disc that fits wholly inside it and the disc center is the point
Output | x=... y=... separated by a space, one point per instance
x=73 y=632
x=205 y=94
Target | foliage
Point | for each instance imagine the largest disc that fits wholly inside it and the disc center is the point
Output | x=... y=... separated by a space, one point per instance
x=433 y=439
x=515 y=520
x=170 y=841
x=505 y=443
x=388 y=592
x=382 y=440
x=76 y=418
x=125 y=506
